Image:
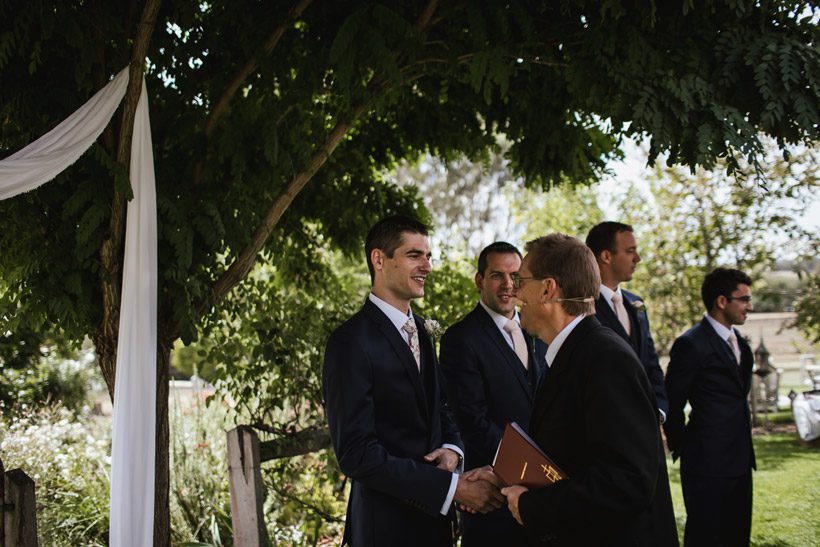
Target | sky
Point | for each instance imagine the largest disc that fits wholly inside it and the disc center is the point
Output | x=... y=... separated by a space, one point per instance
x=633 y=168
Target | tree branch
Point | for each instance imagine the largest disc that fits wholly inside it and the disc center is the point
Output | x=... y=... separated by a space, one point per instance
x=233 y=86
x=111 y=248
x=240 y=267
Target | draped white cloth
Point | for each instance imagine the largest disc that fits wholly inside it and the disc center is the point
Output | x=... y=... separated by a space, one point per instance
x=133 y=439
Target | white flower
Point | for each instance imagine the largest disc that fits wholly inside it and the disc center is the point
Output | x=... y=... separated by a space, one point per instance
x=432 y=327
x=639 y=305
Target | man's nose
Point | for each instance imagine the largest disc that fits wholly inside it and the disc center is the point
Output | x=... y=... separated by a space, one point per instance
x=637 y=257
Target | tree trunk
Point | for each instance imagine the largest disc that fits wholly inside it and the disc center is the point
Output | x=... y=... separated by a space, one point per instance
x=162 y=521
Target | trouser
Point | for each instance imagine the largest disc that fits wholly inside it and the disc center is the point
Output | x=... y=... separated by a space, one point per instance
x=718 y=510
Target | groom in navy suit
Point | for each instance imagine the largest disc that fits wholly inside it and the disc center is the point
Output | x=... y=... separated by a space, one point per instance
x=710 y=367
x=491 y=382
x=391 y=429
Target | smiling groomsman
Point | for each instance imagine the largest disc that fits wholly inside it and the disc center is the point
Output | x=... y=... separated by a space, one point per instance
x=391 y=429
x=492 y=369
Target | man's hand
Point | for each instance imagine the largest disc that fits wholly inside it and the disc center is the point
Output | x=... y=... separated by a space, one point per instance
x=476 y=494
x=483 y=474
x=444 y=458
x=513 y=493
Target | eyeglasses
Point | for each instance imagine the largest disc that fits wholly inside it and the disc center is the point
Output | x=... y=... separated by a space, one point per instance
x=518 y=280
x=745 y=299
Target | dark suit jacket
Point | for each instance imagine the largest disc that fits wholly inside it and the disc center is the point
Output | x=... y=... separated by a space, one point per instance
x=717 y=439
x=384 y=416
x=640 y=340
x=487 y=386
x=594 y=415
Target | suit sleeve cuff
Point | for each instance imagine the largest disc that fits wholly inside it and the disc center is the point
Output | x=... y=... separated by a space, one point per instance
x=448 y=501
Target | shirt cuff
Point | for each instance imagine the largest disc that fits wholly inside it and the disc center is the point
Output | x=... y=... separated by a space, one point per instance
x=663 y=416
x=448 y=501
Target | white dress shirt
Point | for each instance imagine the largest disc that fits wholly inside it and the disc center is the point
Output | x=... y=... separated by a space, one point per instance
x=556 y=344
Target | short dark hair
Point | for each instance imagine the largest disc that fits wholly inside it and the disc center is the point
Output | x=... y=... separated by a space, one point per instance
x=602 y=236
x=721 y=282
x=501 y=247
x=387 y=235
x=572 y=265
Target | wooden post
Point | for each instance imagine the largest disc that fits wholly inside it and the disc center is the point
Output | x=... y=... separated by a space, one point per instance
x=19 y=514
x=246 y=488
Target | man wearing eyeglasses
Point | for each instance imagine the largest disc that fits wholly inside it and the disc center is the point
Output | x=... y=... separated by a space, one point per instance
x=711 y=369
x=492 y=369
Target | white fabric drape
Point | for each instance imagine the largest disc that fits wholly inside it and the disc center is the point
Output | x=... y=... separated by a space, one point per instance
x=134 y=423
x=48 y=156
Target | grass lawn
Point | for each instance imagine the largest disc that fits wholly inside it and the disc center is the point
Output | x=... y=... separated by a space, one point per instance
x=786 y=489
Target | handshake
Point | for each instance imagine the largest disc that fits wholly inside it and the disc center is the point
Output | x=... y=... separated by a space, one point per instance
x=479 y=491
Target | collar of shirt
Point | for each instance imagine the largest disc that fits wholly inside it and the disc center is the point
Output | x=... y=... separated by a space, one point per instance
x=720 y=329
x=500 y=321
x=556 y=344
x=396 y=316
x=607 y=293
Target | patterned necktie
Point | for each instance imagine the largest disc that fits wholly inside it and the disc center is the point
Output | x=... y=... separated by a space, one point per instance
x=620 y=311
x=519 y=345
x=413 y=334
x=732 y=339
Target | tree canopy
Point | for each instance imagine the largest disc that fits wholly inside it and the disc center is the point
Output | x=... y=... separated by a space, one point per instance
x=274 y=121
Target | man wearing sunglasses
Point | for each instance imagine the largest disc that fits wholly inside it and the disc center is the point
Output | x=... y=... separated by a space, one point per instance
x=711 y=369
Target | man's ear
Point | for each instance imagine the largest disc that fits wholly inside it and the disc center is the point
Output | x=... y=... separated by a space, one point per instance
x=377 y=258
x=720 y=302
x=550 y=289
x=605 y=257
x=479 y=281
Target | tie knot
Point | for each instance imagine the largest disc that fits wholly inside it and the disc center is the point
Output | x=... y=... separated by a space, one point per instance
x=732 y=337
x=410 y=326
x=616 y=298
x=512 y=326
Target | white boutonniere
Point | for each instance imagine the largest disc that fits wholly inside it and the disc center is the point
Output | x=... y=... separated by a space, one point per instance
x=638 y=305
x=432 y=327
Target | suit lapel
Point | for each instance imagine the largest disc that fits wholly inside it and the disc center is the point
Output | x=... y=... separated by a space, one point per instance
x=635 y=338
x=401 y=349
x=722 y=348
x=608 y=317
x=511 y=360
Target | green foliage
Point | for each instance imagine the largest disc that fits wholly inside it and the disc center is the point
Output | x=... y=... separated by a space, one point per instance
x=808 y=310
x=564 y=82
x=695 y=223
x=45 y=377
x=561 y=209
x=449 y=292
x=67 y=458
x=201 y=505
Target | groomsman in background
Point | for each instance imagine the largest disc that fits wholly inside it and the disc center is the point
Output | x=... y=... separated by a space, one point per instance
x=710 y=367
x=492 y=369
x=616 y=251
